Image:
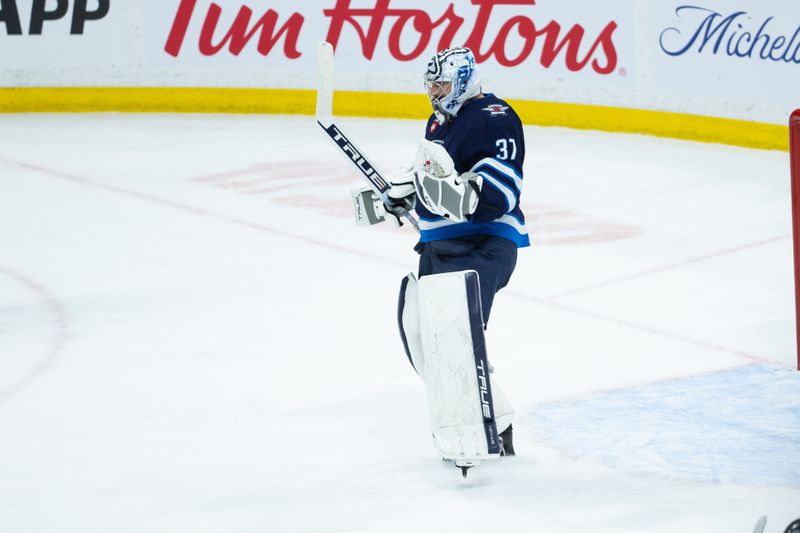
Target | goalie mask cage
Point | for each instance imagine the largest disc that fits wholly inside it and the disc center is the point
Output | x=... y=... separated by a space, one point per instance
x=794 y=157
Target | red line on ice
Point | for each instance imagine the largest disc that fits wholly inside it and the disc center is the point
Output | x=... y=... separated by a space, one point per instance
x=195 y=210
x=58 y=338
x=671 y=266
x=640 y=327
x=267 y=229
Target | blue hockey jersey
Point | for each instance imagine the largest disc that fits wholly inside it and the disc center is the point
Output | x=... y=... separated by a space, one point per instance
x=486 y=138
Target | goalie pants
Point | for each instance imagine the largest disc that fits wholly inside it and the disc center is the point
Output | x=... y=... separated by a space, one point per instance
x=492 y=257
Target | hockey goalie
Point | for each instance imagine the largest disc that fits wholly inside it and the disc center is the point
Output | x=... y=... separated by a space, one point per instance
x=464 y=186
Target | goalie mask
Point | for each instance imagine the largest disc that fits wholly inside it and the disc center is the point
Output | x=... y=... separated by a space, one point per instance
x=452 y=78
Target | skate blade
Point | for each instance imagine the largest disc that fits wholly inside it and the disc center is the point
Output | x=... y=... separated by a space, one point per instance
x=465 y=466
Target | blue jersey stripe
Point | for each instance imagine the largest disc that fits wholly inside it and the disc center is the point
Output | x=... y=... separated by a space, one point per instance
x=501 y=170
x=499 y=229
x=504 y=178
x=507 y=193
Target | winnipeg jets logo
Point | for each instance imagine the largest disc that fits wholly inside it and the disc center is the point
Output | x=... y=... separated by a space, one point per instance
x=496 y=109
x=434 y=125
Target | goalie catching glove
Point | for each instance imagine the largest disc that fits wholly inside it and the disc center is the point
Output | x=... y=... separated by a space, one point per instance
x=370 y=209
x=432 y=179
x=440 y=188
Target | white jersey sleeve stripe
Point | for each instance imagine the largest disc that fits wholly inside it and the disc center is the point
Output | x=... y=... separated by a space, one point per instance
x=503 y=168
x=505 y=219
x=511 y=197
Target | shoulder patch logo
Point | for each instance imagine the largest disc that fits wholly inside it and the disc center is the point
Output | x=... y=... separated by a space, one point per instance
x=496 y=109
x=434 y=125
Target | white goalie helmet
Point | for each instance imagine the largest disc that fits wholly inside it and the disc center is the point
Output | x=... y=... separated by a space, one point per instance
x=451 y=79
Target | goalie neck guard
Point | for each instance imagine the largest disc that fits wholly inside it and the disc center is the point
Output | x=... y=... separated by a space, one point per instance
x=451 y=79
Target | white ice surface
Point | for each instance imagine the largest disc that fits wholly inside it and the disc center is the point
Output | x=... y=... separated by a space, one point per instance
x=194 y=337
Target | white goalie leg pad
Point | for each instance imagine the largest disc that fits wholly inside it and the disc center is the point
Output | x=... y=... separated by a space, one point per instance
x=456 y=367
x=408 y=322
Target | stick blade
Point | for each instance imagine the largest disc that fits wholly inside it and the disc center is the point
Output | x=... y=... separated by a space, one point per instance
x=325 y=83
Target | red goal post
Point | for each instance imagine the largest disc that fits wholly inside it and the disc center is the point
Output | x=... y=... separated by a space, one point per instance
x=794 y=157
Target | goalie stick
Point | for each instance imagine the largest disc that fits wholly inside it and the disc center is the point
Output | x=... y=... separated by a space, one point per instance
x=335 y=134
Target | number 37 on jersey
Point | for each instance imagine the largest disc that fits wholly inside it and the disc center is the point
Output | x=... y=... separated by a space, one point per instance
x=507 y=149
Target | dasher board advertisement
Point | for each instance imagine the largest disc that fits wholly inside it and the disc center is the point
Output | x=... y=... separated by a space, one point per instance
x=61 y=34
x=736 y=51
x=529 y=40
